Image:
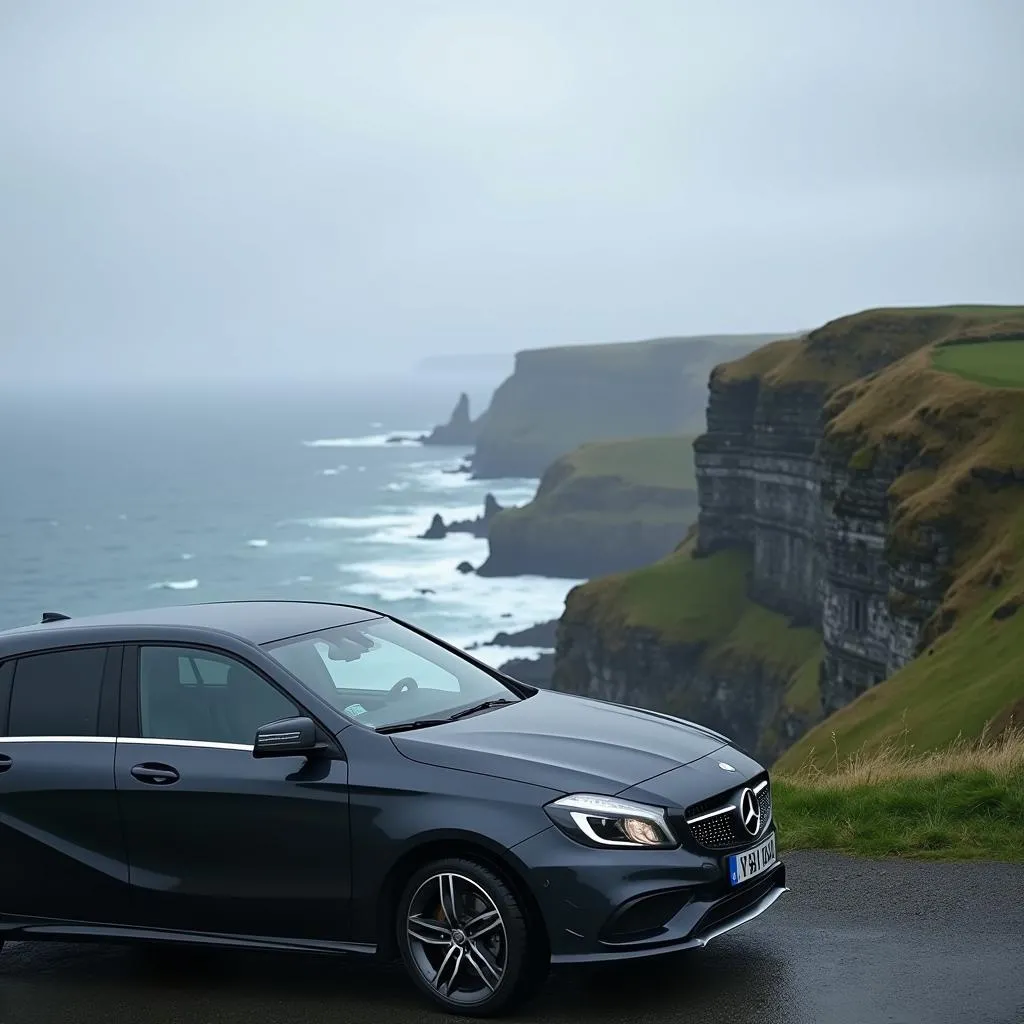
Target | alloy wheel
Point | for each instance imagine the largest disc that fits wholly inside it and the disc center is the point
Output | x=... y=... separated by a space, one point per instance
x=457 y=938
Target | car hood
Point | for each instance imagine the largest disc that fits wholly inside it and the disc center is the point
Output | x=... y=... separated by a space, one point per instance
x=563 y=742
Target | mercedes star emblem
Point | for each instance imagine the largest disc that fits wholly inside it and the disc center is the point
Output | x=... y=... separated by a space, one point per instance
x=726 y=767
x=750 y=812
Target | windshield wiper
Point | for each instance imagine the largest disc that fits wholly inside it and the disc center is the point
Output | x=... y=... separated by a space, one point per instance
x=420 y=723
x=423 y=723
x=481 y=707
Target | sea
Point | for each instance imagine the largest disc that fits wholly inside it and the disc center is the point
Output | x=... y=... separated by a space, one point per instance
x=116 y=498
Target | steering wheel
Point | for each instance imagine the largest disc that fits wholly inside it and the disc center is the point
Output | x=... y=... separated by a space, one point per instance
x=404 y=685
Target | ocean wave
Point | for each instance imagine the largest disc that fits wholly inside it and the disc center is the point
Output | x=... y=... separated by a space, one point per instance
x=497 y=656
x=372 y=522
x=405 y=438
x=175 y=585
x=333 y=470
x=257 y=542
x=469 y=608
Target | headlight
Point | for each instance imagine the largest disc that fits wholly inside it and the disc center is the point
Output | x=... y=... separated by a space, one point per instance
x=606 y=821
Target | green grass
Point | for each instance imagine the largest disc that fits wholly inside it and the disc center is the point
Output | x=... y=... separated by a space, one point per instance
x=949 y=817
x=975 y=675
x=964 y=801
x=852 y=346
x=704 y=601
x=644 y=462
x=998 y=364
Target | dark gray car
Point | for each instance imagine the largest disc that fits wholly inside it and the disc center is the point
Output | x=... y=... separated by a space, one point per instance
x=320 y=777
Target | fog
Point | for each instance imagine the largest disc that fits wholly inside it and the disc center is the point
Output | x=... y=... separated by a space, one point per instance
x=326 y=190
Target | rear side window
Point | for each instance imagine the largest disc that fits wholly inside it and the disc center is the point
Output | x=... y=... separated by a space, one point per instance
x=57 y=693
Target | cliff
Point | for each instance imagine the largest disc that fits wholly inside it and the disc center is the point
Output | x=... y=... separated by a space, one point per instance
x=559 y=398
x=602 y=508
x=810 y=479
x=460 y=430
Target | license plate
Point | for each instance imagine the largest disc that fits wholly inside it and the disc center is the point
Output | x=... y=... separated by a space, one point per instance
x=752 y=862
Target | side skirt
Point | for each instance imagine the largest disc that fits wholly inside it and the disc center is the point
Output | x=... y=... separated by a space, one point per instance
x=15 y=929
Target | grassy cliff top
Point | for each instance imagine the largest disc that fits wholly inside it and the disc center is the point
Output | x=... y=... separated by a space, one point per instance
x=559 y=398
x=619 y=355
x=701 y=601
x=966 y=481
x=640 y=461
x=995 y=363
x=854 y=346
x=633 y=478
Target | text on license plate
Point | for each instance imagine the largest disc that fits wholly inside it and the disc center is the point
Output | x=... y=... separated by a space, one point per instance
x=752 y=862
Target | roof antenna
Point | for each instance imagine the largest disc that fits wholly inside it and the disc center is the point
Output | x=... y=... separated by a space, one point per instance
x=54 y=617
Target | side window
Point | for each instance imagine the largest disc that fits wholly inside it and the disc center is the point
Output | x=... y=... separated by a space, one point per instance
x=187 y=694
x=57 y=693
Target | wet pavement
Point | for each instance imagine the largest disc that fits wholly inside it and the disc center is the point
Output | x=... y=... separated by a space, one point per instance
x=855 y=942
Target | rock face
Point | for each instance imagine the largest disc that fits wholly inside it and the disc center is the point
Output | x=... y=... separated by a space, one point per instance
x=745 y=699
x=606 y=507
x=460 y=430
x=786 y=480
x=559 y=398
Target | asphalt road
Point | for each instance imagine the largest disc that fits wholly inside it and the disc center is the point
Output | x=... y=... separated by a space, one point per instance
x=855 y=942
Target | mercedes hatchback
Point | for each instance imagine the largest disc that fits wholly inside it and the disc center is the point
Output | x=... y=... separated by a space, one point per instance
x=320 y=777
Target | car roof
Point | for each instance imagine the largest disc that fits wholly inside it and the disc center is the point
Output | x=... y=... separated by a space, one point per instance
x=258 y=622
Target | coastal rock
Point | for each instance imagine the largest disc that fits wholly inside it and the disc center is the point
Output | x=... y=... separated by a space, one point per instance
x=540 y=635
x=460 y=430
x=533 y=671
x=477 y=527
x=560 y=398
x=603 y=508
x=844 y=486
x=436 y=530
x=464 y=567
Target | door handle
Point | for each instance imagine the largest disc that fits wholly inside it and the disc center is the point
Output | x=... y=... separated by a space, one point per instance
x=155 y=774
x=5 y=762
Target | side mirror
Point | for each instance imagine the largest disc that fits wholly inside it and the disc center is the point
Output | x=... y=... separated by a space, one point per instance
x=290 y=737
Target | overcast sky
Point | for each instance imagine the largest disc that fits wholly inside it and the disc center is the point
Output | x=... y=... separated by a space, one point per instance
x=313 y=187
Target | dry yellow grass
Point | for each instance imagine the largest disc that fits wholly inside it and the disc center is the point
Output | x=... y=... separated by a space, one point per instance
x=896 y=760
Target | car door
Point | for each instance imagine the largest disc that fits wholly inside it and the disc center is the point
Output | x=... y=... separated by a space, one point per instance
x=62 y=855
x=217 y=840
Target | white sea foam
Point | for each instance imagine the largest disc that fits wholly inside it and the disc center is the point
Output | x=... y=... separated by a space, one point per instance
x=175 y=585
x=187 y=556
x=496 y=656
x=374 y=522
x=333 y=470
x=257 y=542
x=405 y=437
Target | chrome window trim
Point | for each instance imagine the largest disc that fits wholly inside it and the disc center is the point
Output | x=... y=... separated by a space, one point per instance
x=207 y=744
x=57 y=739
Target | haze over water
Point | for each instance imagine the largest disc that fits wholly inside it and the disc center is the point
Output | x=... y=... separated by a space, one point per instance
x=113 y=501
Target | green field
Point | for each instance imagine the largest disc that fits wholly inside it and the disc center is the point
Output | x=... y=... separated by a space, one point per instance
x=642 y=462
x=999 y=364
x=703 y=601
x=852 y=346
x=961 y=803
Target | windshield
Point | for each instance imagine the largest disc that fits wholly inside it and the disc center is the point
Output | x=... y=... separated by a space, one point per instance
x=381 y=673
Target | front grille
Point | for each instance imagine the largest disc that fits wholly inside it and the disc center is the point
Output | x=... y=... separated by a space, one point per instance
x=715 y=822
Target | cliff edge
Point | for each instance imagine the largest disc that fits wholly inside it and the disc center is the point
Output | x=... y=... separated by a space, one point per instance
x=559 y=398
x=604 y=507
x=819 y=462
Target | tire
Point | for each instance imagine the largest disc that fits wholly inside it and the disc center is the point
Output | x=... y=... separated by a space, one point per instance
x=491 y=962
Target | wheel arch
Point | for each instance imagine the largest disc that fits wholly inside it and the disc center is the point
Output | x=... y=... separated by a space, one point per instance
x=465 y=845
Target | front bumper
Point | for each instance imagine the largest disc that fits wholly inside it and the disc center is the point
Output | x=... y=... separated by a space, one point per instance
x=624 y=904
